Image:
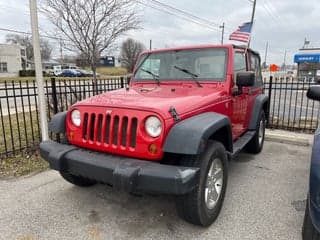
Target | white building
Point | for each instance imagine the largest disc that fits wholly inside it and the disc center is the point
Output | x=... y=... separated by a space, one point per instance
x=12 y=59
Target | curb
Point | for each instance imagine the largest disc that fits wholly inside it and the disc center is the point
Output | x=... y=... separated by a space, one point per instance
x=288 y=137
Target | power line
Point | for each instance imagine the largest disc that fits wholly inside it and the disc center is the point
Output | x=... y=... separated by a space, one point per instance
x=186 y=13
x=28 y=33
x=176 y=15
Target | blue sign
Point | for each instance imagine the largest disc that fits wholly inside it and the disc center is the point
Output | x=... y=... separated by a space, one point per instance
x=311 y=58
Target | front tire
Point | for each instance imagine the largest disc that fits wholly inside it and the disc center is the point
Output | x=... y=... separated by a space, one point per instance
x=202 y=205
x=256 y=143
x=308 y=230
x=77 y=180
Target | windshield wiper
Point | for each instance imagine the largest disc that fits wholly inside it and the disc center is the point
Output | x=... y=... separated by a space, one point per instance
x=193 y=75
x=155 y=76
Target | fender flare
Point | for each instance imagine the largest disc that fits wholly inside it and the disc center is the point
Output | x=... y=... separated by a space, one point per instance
x=57 y=123
x=256 y=109
x=190 y=135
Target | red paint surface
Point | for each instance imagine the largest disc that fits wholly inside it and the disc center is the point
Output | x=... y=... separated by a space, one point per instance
x=145 y=99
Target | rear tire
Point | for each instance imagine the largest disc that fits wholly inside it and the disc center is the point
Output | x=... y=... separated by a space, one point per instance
x=202 y=205
x=77 y=180
x=308 y=230
x=256 y=143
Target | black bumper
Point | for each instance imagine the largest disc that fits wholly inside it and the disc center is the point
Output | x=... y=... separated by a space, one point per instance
x=123 y=173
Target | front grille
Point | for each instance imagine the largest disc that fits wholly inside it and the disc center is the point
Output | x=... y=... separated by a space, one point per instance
x=110 y=130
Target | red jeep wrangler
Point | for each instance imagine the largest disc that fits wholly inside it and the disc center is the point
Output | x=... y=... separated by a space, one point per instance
x=186 y=112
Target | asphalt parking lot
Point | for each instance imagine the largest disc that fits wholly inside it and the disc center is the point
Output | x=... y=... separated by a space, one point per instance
x=265 y=200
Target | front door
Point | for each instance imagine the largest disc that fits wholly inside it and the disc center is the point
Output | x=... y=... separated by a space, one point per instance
x=239 y=100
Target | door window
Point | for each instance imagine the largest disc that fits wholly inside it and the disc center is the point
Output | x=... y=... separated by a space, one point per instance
x=256 y=68
x=239 y=62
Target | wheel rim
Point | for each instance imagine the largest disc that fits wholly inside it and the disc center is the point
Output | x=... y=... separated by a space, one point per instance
x=261 y=132
x=214 y=183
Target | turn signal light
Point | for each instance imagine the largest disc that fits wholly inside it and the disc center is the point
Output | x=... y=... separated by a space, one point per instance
x=153 y=149
x=71 y=135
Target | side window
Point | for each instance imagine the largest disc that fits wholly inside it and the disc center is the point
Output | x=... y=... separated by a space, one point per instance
x=240 y=63
x=256 y=68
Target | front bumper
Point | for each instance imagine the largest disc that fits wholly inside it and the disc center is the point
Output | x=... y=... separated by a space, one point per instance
x=123 y=173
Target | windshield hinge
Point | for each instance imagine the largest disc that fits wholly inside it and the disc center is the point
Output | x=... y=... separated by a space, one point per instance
x=174 y=114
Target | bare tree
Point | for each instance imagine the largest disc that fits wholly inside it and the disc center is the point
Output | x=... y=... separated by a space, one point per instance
x=130 y=51
x=92 y=26
x=26 y=41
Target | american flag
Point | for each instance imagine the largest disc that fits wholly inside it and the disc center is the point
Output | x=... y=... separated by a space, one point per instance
x=242 y=34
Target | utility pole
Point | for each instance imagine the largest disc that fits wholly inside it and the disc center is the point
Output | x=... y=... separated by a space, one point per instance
x=150 y=44
x=252 y=16
x=38 y=66
x=222 y=33
x=61 y=51
x=284 y=60
x=266 y=53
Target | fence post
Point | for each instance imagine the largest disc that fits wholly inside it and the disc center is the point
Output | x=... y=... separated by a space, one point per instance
x=128 y=80
x=269 y=100
x=54 y=95
x=55 y=101
x=122 y=81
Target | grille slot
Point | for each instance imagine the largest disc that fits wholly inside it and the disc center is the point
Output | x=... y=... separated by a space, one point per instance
x=133 y=133
x=107 y=133
x=99 y=128
x=124 y=129
x=115 y=130
x=110 y=130
x=91 y=126
x=85 y=124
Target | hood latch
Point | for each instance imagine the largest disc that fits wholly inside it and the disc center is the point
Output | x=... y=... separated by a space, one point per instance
x=174 y=114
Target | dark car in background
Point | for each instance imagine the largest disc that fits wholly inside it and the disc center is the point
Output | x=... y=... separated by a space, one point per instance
x=75 y=73
x=85 y=73
x=311 y=224
x=70 y=73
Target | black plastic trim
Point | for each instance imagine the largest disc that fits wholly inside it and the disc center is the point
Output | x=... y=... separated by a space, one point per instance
x=123 y=173
x=189 y=136
x=57 y=123
x=258 y=105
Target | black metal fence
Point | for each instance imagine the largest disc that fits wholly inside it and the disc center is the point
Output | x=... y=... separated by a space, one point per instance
x=19 y=122
x=19 y=111
x=289 y=108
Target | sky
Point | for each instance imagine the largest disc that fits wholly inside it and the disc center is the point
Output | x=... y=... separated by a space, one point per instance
x=284 y=24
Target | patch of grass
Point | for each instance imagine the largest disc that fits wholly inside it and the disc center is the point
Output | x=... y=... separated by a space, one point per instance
x=22 y=165
x=112 y=71
x=28 y=126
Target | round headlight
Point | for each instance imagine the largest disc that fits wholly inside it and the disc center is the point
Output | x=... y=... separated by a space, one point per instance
x=76 y=117
x=153 y=126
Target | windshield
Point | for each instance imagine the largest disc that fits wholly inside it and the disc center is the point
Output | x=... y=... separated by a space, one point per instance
x=200 y=64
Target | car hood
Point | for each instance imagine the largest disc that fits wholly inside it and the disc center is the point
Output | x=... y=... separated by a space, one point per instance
x=159 y=99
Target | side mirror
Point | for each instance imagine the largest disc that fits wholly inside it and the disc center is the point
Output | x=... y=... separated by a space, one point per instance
x=314 y=93
x=245 y=79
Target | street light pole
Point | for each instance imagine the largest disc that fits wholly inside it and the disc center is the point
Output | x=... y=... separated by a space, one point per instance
x=222 y=33
x=38 y=67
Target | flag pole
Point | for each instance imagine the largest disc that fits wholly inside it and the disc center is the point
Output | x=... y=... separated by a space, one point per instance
x=252 y=19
